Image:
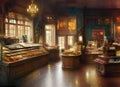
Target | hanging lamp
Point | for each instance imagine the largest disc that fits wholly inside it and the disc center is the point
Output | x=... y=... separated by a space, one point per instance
x=32 y=8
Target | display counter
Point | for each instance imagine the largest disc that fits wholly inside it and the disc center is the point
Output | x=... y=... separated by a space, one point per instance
x=91 y=52
x=70 y=61
x=19 y=60
x=89 y=57
x=108 y=66
x=71 y=57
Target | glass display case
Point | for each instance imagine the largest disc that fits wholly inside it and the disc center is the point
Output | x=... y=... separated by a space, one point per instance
x=21 y=51
x=91 y=52
x=20 y=59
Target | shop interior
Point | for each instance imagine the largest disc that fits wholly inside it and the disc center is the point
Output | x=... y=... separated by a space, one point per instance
x=65 y=39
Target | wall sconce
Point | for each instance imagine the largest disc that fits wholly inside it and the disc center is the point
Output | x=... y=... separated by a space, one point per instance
x=80 y=39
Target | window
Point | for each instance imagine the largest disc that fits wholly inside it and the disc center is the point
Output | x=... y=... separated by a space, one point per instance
x=20 y=31
x=66 y=23
x=17 y=25
x=6 y=30
x=71 y=23
x=50 y=34
x=66 y=30
x=12 y=30
x=62 y=24
x=61 y=42
x=70 y=40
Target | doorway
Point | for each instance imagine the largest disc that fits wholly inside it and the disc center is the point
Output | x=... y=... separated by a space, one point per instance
x=50 y=34
x=66 y=41
x=61 y=42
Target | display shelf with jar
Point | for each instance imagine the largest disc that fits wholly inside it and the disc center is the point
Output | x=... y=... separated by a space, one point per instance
x=108 y=64
x=18 y=60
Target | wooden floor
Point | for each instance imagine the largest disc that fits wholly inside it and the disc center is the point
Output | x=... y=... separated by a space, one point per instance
x=53 y=75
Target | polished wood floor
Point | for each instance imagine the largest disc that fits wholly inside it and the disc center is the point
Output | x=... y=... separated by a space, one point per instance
x=52 y=75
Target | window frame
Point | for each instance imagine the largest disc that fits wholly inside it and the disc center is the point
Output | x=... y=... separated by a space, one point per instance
x=18 y=21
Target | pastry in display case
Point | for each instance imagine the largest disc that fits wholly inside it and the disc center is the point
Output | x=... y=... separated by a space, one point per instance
x=92 y=48
x=29 y=44
x=18 y=52
x=14 y=46
x=75 y=50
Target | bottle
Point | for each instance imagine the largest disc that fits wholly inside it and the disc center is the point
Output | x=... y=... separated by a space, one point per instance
x=105 y=47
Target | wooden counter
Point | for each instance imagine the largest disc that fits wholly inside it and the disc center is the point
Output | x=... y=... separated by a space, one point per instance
x=108 y=68
x=70 y=61
x=9 y=72
x=89 y=57
x=53 y=53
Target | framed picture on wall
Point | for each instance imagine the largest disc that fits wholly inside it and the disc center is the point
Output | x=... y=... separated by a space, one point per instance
x=71 y=23
x=62 y=24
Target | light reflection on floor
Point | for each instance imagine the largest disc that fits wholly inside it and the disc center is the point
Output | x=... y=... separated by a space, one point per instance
x=53 y=75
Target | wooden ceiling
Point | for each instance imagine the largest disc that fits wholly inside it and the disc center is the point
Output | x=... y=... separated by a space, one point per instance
x=56 y=5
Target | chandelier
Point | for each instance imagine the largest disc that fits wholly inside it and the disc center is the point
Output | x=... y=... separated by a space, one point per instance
x=32 y=8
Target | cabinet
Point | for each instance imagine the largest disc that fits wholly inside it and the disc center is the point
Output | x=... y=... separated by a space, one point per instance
x=108 y=66
x=18 y=52
x=21 y=59
x=53 y=53
x=70 y=61
x=90 y=55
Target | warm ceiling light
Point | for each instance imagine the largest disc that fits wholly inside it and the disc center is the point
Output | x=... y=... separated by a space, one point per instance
x=32 y=8
x=118 y=19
